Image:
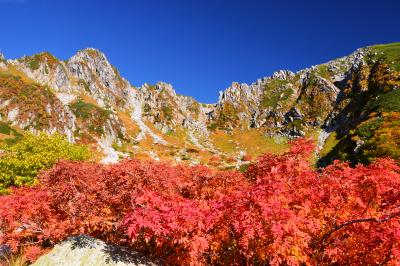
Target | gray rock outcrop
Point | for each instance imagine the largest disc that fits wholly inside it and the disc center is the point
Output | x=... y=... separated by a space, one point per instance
x=86 y=251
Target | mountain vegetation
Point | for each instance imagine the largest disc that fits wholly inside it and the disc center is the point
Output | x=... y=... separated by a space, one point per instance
x=86 y=99
x=295 y=169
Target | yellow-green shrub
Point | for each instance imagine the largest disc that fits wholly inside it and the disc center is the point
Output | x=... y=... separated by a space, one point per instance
x=21 y=162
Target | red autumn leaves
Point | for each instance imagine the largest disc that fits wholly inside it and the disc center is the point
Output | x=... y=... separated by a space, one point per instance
x=280 y=211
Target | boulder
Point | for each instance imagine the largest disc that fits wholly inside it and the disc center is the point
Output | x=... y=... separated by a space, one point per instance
x=5 y=250
x=86 y=251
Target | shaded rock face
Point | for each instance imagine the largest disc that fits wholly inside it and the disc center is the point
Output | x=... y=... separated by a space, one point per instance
x=87 y=251
x=5 y=251
x=293 y=114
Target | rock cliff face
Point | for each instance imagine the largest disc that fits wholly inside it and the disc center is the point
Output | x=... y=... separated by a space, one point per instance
x=86 y=99
x=286 y=102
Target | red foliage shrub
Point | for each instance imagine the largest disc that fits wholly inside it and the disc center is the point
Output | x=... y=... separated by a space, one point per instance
x=288 y=213
x=281 y=211
x=86 y=198
x=32 y=253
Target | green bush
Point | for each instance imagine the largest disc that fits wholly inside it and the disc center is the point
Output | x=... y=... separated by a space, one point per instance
x=323 y=71
x=146 y=108
x=366 y=130
x=13 y=135
x=21 y=162
x=5 y=128
x=390 y=53
x=275 y=92
x=91 y=114
x=84 y=84
x=212 y=126
x=86 y=110
x=33 y=63
x=167 y=112
x=387 y=102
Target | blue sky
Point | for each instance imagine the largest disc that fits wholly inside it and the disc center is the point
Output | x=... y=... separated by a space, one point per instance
x=201 y=46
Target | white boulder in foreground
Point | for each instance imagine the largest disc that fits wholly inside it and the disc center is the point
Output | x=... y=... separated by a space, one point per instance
x=87 y=251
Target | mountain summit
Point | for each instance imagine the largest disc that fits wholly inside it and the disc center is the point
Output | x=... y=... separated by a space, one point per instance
x=339 y=104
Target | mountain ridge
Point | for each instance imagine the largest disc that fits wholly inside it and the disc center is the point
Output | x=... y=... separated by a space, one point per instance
x=90 y=102
x=94 y=50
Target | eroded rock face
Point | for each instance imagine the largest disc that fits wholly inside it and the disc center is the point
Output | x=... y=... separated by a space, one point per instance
x=92 y=69
x=274 y=103
x=265 y=103
x=260 y=104
x=283 y=104
x=87 y=251
x=90 y=73
x=167 y=110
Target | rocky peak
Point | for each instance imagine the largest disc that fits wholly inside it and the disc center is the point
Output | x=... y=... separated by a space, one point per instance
x=271 y=100
x=91 y=52
x=283 y=74
x=88 y=71
x=91 y=65
x=2 y=61
x=159 y=87
x=238 y=92
x=251 y=94
x=93 y=59
x=165 y=108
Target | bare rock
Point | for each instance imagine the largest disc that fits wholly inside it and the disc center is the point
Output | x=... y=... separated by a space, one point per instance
x=84 y=250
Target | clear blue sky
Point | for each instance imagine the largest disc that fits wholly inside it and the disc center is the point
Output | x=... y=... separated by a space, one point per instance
x=198 y=46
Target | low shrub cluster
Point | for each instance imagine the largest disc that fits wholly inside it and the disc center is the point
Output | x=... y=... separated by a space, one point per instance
x=280 y=211
x=378 y=137
x=20 y=163
x=37 y=106
x=91 y=114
